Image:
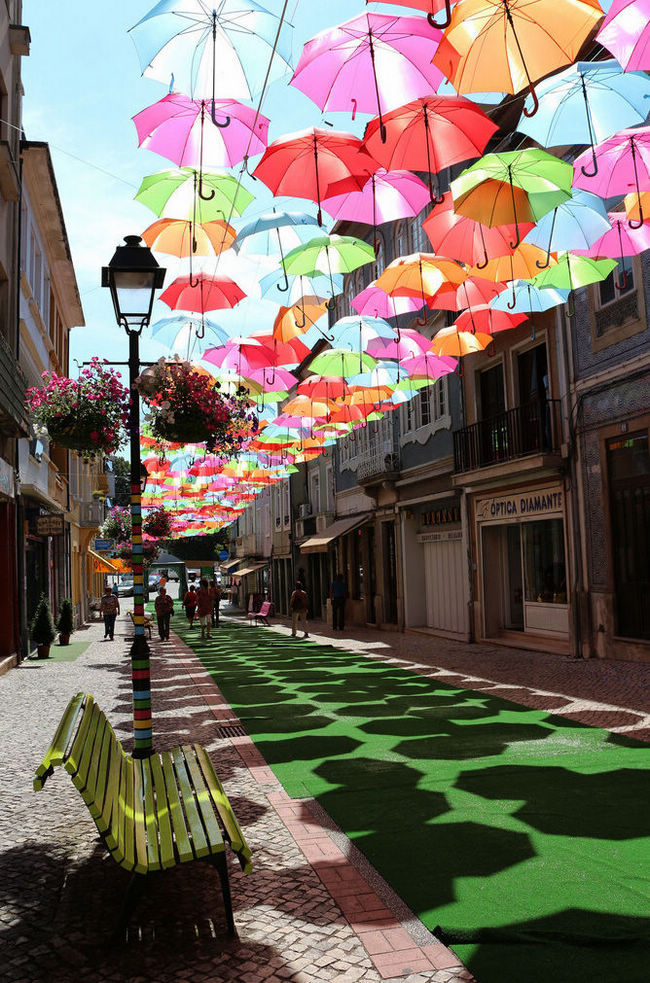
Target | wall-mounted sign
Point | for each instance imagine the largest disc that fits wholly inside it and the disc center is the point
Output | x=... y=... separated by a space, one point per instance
x=49 y=525
x=447 y=536
x=441 y=516
x=104 y=545
x=6 y=479
x=530 y=504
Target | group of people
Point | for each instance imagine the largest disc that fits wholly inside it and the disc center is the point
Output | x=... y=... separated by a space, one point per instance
x=299 y=604
x=204 y=605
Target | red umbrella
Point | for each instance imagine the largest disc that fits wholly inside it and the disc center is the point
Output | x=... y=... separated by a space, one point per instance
x=485 y=320
x=430 y=7
x=307 y=164
x=430 y=134
x=472 y=292
x=466 y=240
x=208 y=293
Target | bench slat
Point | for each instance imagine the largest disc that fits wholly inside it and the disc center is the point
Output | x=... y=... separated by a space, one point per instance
x=97 y=782
x=195 y=826
x=202 y=795
x=181 y=838
x=73 y=757
x=143 y=769
x=56 y=751
x=140 y=863
x=228 y=818
x=128 y=807
x=119 y=816
x=168 y=856
x=107 y=817
x=80 y=780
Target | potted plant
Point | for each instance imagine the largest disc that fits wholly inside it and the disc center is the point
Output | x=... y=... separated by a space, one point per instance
x=65 y=624
x=42 y=628
x=87 y=415
x=187 y=406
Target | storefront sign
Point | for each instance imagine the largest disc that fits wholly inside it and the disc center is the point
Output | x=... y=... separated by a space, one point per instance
x=104 y=545
x=441 y=516
x=440 y=537
x=537 y=503
x=49 y=525
x=6 y=479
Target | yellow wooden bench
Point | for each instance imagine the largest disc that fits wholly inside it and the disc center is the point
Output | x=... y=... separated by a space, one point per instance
x=148 y=621
x=152 y=814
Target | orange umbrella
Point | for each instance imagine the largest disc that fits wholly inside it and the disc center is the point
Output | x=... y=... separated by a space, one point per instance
x=179 y=237
x=421 y=274
x=521 y=265
x=295 y=320
x=637 y=205
x=450 y=341
x=495 y=203
x=506 y=45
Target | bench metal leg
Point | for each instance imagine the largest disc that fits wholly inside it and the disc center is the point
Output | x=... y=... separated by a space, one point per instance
x=219 y=861
x=133 y=894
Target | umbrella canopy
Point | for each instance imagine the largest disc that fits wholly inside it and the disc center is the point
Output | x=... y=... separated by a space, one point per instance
x=341 y=363
x=430 y=134
x=463 y=238
x=377 y=303
x=572 y=271
x=473 y=291
x=575 y=224
x=526 y=297
x=295 y=320
x=454 y=343
x=506 y=45
x=487 y=320
x=181 y=331
x=308 y=163
x=620 y=241
x=430 y=7
x=177 y=191
x=623 y=163
x=523 y=264
x=626 y=33
x=299 y=285
x=586 y=103
x=386 y=197
x=421 y=275
x=409 y=344
x=183 y=130
x=209 y=293
x=208 y=48
x=268 y=232
x=329 y=254
x=430 y=365
x=179 y=237
x=487 y=190
x=370 y=64
x=357 y=332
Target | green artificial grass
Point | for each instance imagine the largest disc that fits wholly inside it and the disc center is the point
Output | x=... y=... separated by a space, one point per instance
x=65 y=653
x=523 y=835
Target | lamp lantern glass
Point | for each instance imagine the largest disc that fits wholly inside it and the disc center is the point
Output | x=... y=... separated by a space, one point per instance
x=133 y=276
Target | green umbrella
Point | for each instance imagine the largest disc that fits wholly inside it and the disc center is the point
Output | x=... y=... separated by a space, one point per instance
x=177 y=190
x=517 y=186
x=329 y=255
x=572 y=271
x=342 y=363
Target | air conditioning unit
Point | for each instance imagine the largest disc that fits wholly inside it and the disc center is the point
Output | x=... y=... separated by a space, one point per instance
x=304 y=510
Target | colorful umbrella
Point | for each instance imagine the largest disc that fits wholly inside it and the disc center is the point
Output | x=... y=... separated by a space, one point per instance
x=299 y=285
x=526 y=297
x=430 y=365
x=177 y=191
x=487 y=190
x=341 y=363
x=473 y=291
x=587 y=103
x=487 y=320
x=523 y=264
x=506 y=45
x=620 y=241
x=430 y=134
x=308 y=163
x=230 y=46
x=277 y=231
x=574 y=224
x=421 y=274
x=328 y=255
x=464 y=239
x=572 y=271
x=207 y=294
x=184 y=131
x=430 y=7
x=295 y=320
x=377 y=303
x=180 y=237
x=370 y=64
x=454 y=343
x=626 y=33
x=386 y=197
x=409 y=344
x=356 y=332
x=623 y=163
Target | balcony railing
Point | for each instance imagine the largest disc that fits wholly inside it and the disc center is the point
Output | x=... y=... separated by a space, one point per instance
x=381 y=461
x=533 y=428
x=91 y=514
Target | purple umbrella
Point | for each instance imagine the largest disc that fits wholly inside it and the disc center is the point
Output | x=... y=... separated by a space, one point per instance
x=377 y=303
x=620 y=241
x=387 y=197
x=623 y=166
x=182 y=130
x=626 y=33
x=370 y=64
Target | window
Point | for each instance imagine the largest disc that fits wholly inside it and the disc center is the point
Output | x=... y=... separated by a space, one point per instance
x=628 y=459
x=544 y=566
x=428 y=411
x=401 y=240
x=619 y=282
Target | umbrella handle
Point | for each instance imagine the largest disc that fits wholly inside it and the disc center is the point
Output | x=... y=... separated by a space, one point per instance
x=513 y=245
x=531 y=112
x=443 y=23
x=422 y=322
x=201 y=334
x=571 y=306
x=595 y=163
x=331 y=303
x=304 y=318
x=481 y=266
x=460 y=368
x=354 y=108
x=637 y=225
x=214 y=119
x=283 y=287
x=512 y=304
x=194 y=283
x=621 y=286
x=203 y=197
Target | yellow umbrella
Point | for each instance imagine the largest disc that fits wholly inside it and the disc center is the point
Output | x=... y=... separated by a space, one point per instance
x=450 y=341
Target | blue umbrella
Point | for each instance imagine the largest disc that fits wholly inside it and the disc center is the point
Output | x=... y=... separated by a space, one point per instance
x=525 y=297
x=356 y=332
x=575 y=224
x=175 y=332
x=300 y=285
x=586 y=103
x=279 y=232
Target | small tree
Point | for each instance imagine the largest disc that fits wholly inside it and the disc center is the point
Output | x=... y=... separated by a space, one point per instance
x=42 y=627
x=65 y=624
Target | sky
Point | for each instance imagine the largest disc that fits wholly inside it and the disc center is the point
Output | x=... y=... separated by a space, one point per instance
x=82 y=85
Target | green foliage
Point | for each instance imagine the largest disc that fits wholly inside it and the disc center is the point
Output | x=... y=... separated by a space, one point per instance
x=197 y=547
x=65 y=624
x=122 y=472
x=42 y=627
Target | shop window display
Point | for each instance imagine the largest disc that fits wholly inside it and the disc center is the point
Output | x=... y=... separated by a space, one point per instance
x=544 y=561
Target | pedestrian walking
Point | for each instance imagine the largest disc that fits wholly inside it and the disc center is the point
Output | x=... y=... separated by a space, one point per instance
x=110 y=608
x=164 y=606
x=298 y=607
x=189 y=603
x=204 y=605
x=215 y=591
x=338 y=595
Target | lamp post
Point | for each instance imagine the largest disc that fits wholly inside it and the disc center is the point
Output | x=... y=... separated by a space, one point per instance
x=133 y=276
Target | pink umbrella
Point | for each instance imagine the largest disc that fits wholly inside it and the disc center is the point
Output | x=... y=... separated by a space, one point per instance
x=487 y=320
x=626 y=33
x=387 y=197
x=472 y=292
x=455 y=235
x=182 y=130
x=623 y=166
x=620 y=241
x=409 y=344
x=377 y=303
x=370 y=64
x=428 y=365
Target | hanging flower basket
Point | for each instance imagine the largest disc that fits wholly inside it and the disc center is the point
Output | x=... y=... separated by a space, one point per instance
x=158 y=524
x=117 y=525
x=186 y=406
x=150 y=552
x=87 y=415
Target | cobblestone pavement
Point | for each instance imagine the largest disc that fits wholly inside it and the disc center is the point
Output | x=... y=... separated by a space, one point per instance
x=312 y=910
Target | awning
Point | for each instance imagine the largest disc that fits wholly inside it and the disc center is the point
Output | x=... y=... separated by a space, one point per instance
x=252 y=569
x=100 y=564
x=229 y=564
x=319 y=543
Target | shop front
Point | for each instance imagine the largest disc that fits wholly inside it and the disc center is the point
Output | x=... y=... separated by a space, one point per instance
x=522 y=577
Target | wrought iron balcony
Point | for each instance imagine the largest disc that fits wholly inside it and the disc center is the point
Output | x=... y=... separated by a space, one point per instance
x=380 y=463
x=14 y=420
x=533 y=428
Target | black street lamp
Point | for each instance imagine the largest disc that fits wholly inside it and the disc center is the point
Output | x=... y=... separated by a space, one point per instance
x=133 y=276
